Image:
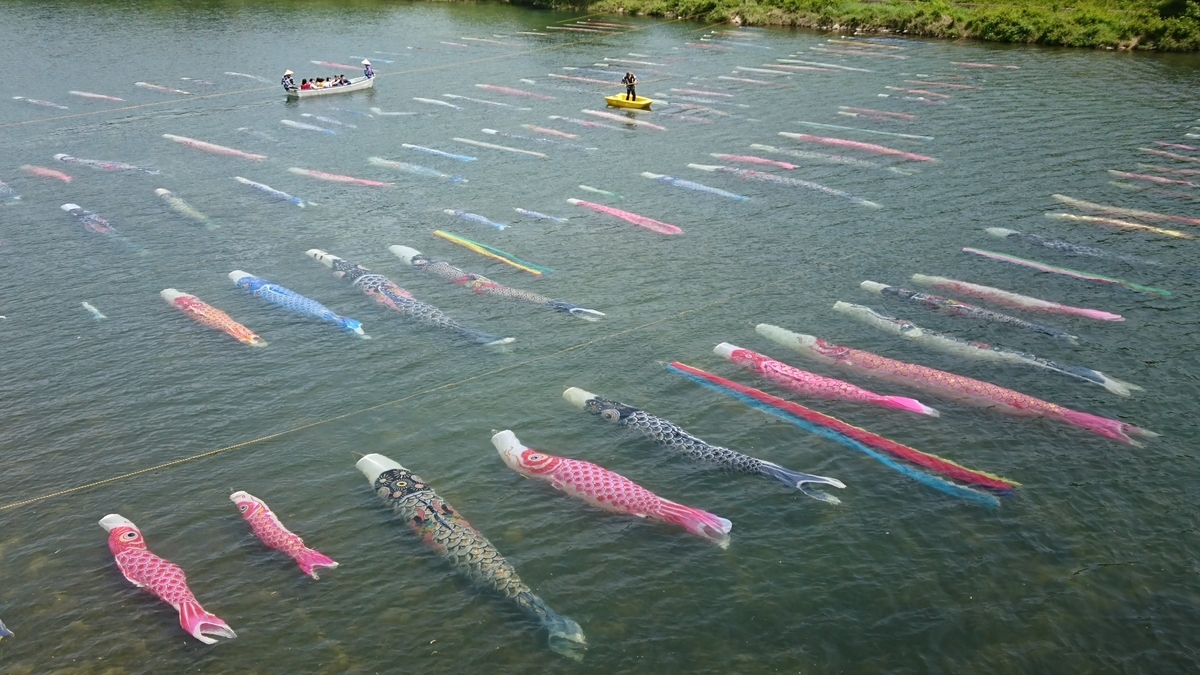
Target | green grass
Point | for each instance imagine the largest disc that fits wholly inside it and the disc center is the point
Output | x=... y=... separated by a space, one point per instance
x=1173 y=25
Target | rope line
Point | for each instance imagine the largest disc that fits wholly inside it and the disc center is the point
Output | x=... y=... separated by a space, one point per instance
x=441 y=387
x=410 y=71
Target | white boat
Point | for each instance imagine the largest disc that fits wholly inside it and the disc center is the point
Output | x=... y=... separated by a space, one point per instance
x=356 y=84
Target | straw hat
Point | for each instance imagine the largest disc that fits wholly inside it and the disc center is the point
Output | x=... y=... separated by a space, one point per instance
x=288 y=72
x=366 y=62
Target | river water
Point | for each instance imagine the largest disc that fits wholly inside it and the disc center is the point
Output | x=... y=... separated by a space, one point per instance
x=1090 y=567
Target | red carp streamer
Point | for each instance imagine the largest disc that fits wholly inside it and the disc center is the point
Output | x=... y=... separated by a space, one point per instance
x=338 y=178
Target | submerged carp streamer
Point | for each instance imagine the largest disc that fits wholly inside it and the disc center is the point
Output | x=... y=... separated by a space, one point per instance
x=277 y=295
x=641 y=221
x=1086 y=276
x=858 y=439
x=467 y=551
x=976 y=350
x=681 y=442
x=950 y=385
x=1067 y=247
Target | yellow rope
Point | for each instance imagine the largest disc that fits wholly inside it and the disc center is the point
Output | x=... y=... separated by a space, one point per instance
x=449 y=385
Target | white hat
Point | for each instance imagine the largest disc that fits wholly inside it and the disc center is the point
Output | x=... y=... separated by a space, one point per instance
x=288 y=72
x=366 y=62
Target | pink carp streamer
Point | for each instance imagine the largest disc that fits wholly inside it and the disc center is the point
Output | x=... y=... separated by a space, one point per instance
x=607 y=490
x=641 y=221
x=212 y=147
x=272 y=532
x=159 y=87
x=548 y=131
x=1067 y=272
x=1167 y=169
x=1007 y=299
x=338 y=178
x=701 y=92
x=88 y=94
x=514 y=92
x=968 y=64
x=1152 y=179
x=816 y=386
x=947 y=384
x=1170 y=155
x=783 y=180
x=1124 y=224
x=943 y=84
x=750 y=159
x=46 y=173
x=866 y=147
x=1119 y=211
x=334 y=64
x=868 y=111
x=851 y=436
x=919 y=92
x=623 y=119
x=1176 y=146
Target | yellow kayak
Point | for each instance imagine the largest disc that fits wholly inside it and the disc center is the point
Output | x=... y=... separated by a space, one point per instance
x=619 y=101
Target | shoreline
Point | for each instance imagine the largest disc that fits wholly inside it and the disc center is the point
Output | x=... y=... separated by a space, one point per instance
x=1170 y=26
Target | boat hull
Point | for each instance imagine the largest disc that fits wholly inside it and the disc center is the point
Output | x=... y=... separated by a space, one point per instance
x=356 y=84
x=639 y=103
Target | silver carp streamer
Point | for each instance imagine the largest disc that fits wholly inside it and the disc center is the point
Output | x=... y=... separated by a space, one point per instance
x=687 y=184
x=1067 y=247
x=781 y=180
x=977 y=350
x=466 y=550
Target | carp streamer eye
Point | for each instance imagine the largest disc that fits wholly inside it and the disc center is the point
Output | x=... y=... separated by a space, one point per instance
x=610 y=415
x=536 y=457
x=243 y=507
x=401 y=483
x=129 y=536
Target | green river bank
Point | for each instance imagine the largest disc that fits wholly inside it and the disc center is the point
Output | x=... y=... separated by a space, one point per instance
x=1173 y=25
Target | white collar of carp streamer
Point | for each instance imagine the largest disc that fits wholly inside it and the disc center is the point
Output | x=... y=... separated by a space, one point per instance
x=578 y=397
x=374 y=465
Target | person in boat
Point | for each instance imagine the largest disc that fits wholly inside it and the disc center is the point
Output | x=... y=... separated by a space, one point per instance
x=630 y=81
x=368 y=71
x=305 y=84
x=320 y=83
x=342 y=79
x=287 y=81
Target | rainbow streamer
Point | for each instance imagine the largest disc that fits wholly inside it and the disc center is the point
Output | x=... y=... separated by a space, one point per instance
x=854 y=437
x=494 y=253
x=1086 y=276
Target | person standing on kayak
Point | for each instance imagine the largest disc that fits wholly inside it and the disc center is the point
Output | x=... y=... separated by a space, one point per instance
x=630 y=81
x=368 y=71
x=287 y=81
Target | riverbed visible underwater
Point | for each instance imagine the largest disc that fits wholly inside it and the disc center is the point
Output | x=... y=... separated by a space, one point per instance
x=1090 y=565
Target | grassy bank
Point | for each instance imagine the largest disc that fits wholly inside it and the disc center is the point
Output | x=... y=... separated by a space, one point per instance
x=1173 y=25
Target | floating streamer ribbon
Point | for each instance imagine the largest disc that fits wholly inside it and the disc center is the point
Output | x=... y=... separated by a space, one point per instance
x=494 y=253
x=856 y=438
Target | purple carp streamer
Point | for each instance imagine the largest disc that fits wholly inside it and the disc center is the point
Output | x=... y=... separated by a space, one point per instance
x=947 y=384
x=481 y=285
x=1086 y=276
x=939 y=304
x=1016 y=300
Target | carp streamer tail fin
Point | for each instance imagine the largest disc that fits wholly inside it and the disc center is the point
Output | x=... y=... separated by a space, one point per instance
x=309 y=560
x=200 y=624
x=566 y=637
x=797 y=479
x=697 y=522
